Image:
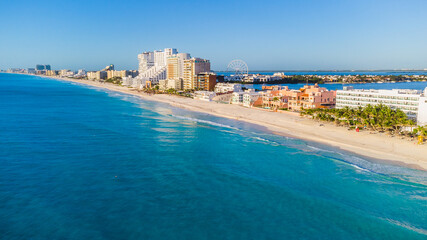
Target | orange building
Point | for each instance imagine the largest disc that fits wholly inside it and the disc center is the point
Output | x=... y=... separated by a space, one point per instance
x=310 y=96
x=205 y=81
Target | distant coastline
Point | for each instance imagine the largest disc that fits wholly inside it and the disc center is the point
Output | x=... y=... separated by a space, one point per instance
x=343 y=71
x=335 y=73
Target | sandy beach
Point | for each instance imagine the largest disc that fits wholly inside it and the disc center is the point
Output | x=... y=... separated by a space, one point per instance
x=395 y=150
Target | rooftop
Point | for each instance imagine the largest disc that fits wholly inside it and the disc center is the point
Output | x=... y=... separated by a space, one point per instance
x=384 y=91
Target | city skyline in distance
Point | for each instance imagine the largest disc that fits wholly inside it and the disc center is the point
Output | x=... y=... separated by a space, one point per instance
x=273 y=35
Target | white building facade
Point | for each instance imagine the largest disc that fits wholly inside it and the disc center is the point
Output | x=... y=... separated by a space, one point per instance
x=153 y=65
x=249 y=98
x=237 y=98
x=422 y=110
x=176 y=65
x=228 y=87
x=204 y=95
x=411 y=102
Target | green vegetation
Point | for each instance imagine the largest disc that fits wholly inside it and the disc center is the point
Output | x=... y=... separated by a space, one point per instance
x=312 y=79
x=378 y=118
x=421 y=132
x=302 y=79
x=171 y=91
x=114 y=80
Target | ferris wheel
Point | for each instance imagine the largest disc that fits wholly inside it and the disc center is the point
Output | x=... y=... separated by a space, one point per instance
x=238 y=68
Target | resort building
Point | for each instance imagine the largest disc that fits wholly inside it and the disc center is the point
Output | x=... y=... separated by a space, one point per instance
x=204 y=95
x=98 y=75
x=251 y=98
x=17 y=70
x=121 y=74
x=175 y=65
x=310 y=97
x=66 y=73
x=170 y=69
x=205 y=81
x=40 y=67
x=260 y=78
x=237 y=98
x=31 y=71
x=192 y=67
x=274 y=99
x=51 y=73
x=80 y=73
x=166 y=64
x=228 y=87
x=147 y=60
x=411 y=102
x=163 y=85
x=108 y=68
x=153 y=65
x=422 y=110
x=170 y=84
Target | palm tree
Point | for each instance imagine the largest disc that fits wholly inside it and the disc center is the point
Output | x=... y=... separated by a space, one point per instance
x=376 y=117
x=422 y=132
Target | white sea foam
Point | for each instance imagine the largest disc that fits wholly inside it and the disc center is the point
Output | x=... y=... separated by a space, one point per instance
x=204 y=121
x=322 y=150
x=266 y=141
x=393 y=171
x=359 y=163
x=402 y=174
x=406 y=225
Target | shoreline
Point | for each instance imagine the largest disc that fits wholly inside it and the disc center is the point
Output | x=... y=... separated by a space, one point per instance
x=377 y=146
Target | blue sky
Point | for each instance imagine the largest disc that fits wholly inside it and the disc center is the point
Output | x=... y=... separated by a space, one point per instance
x=268 y=35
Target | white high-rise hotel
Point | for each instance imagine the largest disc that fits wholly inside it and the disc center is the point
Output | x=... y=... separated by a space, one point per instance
x=411 y=102
x=153 y=65
x=167 y=68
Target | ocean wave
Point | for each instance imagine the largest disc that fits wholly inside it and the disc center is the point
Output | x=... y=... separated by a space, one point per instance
x=267 y=141
x=205 y=122
x=406 y=225
x=401 y=174
x=321 y=149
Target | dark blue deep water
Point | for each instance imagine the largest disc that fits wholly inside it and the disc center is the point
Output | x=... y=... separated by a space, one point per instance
x=83 y=163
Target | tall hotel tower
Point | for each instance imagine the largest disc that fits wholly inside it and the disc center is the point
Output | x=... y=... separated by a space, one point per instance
x=192 y=67
x=153 y=65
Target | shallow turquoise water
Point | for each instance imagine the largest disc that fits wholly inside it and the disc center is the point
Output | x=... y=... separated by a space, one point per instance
x=82 y=163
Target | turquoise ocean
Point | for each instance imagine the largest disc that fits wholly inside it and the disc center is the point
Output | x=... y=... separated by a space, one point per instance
x=78 y=162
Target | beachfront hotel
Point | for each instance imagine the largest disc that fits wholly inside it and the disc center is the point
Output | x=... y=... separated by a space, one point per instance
x=204 y=95
x=192 y=67
x=308 y=97
x=251 y=99
x=41 y=67
x=175 y=65
x=170 y=69
x=153 y=65
x=205 y=81
x=227 y=87
x=411 y=102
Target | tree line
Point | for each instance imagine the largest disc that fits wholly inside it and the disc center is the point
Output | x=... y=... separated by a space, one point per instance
x=378 y=118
